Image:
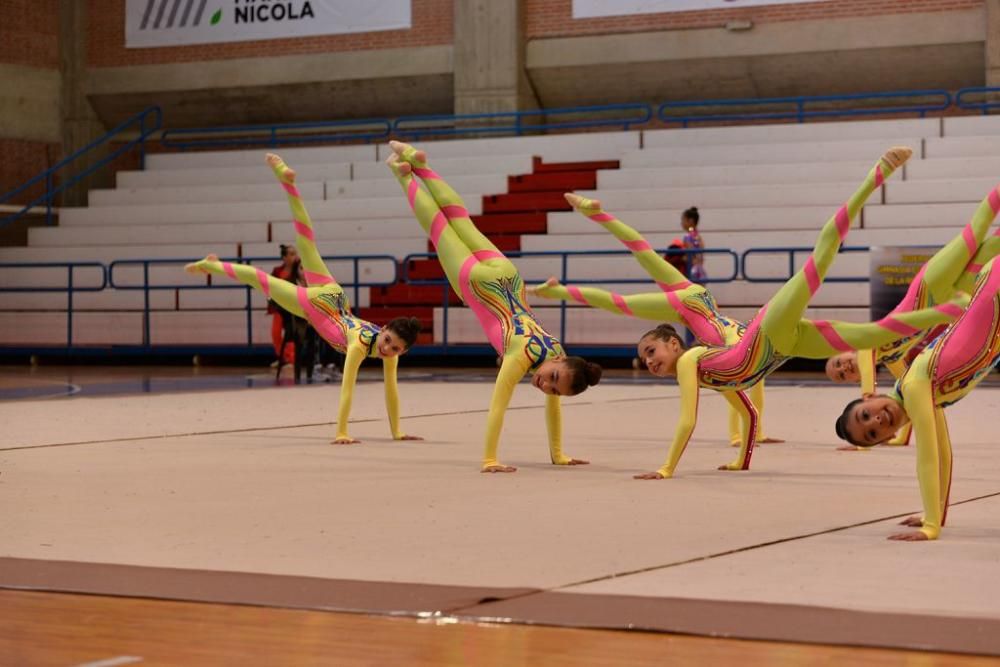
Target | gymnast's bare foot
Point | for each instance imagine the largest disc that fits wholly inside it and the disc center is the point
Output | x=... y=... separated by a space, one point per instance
x=408 y=153
x=540 y=290
x=195 y=268
x=582 y=204
x=344 y=440
x=897 y=156
x=281 y=170
x=497 y=467
x=400 y=169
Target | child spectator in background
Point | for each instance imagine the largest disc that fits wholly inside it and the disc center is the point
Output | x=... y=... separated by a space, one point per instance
x=676 y=257
x=289 y=256
x=692 y=241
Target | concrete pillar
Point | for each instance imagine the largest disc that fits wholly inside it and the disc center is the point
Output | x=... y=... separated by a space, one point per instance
x=78 y=122
x=992 y=42
x=489 y=57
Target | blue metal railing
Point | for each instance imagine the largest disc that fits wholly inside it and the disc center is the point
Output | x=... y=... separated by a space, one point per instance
x=792 y=252
x=564 y=275
x=148 y=121
x=799 y=111
x=146 y=287
x=625 y=116
x=279 y=134
x=70 y=288
x=963 y=99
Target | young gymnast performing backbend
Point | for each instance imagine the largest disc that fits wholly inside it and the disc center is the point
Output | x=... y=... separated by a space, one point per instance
x=325 y=305
x=944 y=373
x=491 y=286
x=678 y=300
x=778 y=333
x=952 y=269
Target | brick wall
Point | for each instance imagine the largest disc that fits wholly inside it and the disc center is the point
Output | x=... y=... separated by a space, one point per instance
x=29 y=33
x=553 y=18
x=432 y=25
x=22 y=160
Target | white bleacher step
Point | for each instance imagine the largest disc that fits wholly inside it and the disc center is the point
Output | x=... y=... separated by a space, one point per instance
x=713 y=220
x=229 y=299
x=731 y=196
x=468 y=187
x=962 y=147
x=204 y=194
x=33 y=329
x=194 y=327
x=447 y=167
x=108 y=254
x=397 y=248
x=767 y=154
x=971 y=126
x=106 y=300
x=551 y=148
x=208 y=176
x=114 y=235
x=883 y=130
x=254 y=156
x=919 y=217
x=954 y=167
x=349 y=209
x=968 y=190
x=724 y=175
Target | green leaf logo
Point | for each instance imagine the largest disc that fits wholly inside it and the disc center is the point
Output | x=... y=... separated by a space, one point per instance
x=216 y=17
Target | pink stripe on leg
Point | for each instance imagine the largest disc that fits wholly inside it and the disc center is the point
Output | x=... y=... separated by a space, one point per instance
x=438 y=225
x=973 y=268
x=576 y=294
x=970 y=240
x=326 y=328
x=426 y=173
x=305 y=230
x=265 y=286
x=483 y=255
x=291 y=189
x=950 y=309
x=843 y=222
x=879 y=178
x=317 y=278
x=994 y=198
x=601 y=217
x=637 y=246
x=490 y=324
x=455 y=211
x=812 y=275
x=684 y=284
x=893 y=324
x=230 y=271
x=620 y=302
x=832 y=337
x=411 y=192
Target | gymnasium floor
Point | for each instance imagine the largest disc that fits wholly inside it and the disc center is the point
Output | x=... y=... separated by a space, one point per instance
x=183 y=485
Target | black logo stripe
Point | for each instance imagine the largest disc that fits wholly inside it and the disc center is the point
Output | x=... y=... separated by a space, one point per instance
x=145 y=14
x=173 y=13
x=201 y=10
x=159 y=14
x=187 y=11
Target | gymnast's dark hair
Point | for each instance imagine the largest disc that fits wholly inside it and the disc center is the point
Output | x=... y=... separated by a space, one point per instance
x=666 y=333
x=406 y=328
x=585 y=374
x=285 y=249
x=841 y=426
x=692 y=214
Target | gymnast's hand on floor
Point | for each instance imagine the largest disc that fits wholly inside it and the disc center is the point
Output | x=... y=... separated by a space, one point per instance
x=732 y=465
x=498 y=467
x=408 y=437
x=344 y=440
x=768 y=441
x=567 y=461
x=651 y=475
x=913 y=521
x=852 y=448
x=915 y=536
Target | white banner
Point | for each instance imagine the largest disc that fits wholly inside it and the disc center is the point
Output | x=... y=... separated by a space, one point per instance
x=176 y=22
x=590 y=8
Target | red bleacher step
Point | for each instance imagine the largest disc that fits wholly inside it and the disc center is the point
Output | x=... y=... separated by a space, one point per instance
x=539 y=166
x=503 y=243
x=411 y=295
x=559 y=181
x=511 y=223
x=382 y=314
x=527 y=202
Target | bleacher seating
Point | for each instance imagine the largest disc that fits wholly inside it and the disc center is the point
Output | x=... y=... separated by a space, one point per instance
x=756 y=186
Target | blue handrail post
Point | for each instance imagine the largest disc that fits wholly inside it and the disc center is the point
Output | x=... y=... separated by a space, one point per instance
x=562 y=304
x=69 y=306
x=146 y=340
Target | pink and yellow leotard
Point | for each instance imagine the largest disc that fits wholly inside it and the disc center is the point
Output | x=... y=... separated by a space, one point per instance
x=324 y=304
x=944 y=373
x=492 y=287
x=778 y=332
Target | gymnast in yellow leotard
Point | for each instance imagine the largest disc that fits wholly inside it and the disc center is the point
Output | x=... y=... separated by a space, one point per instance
x=944 y=373
x=952 y=269
x=325 y=305
x=777 y=333
x=492 y=287
x=679 y=300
